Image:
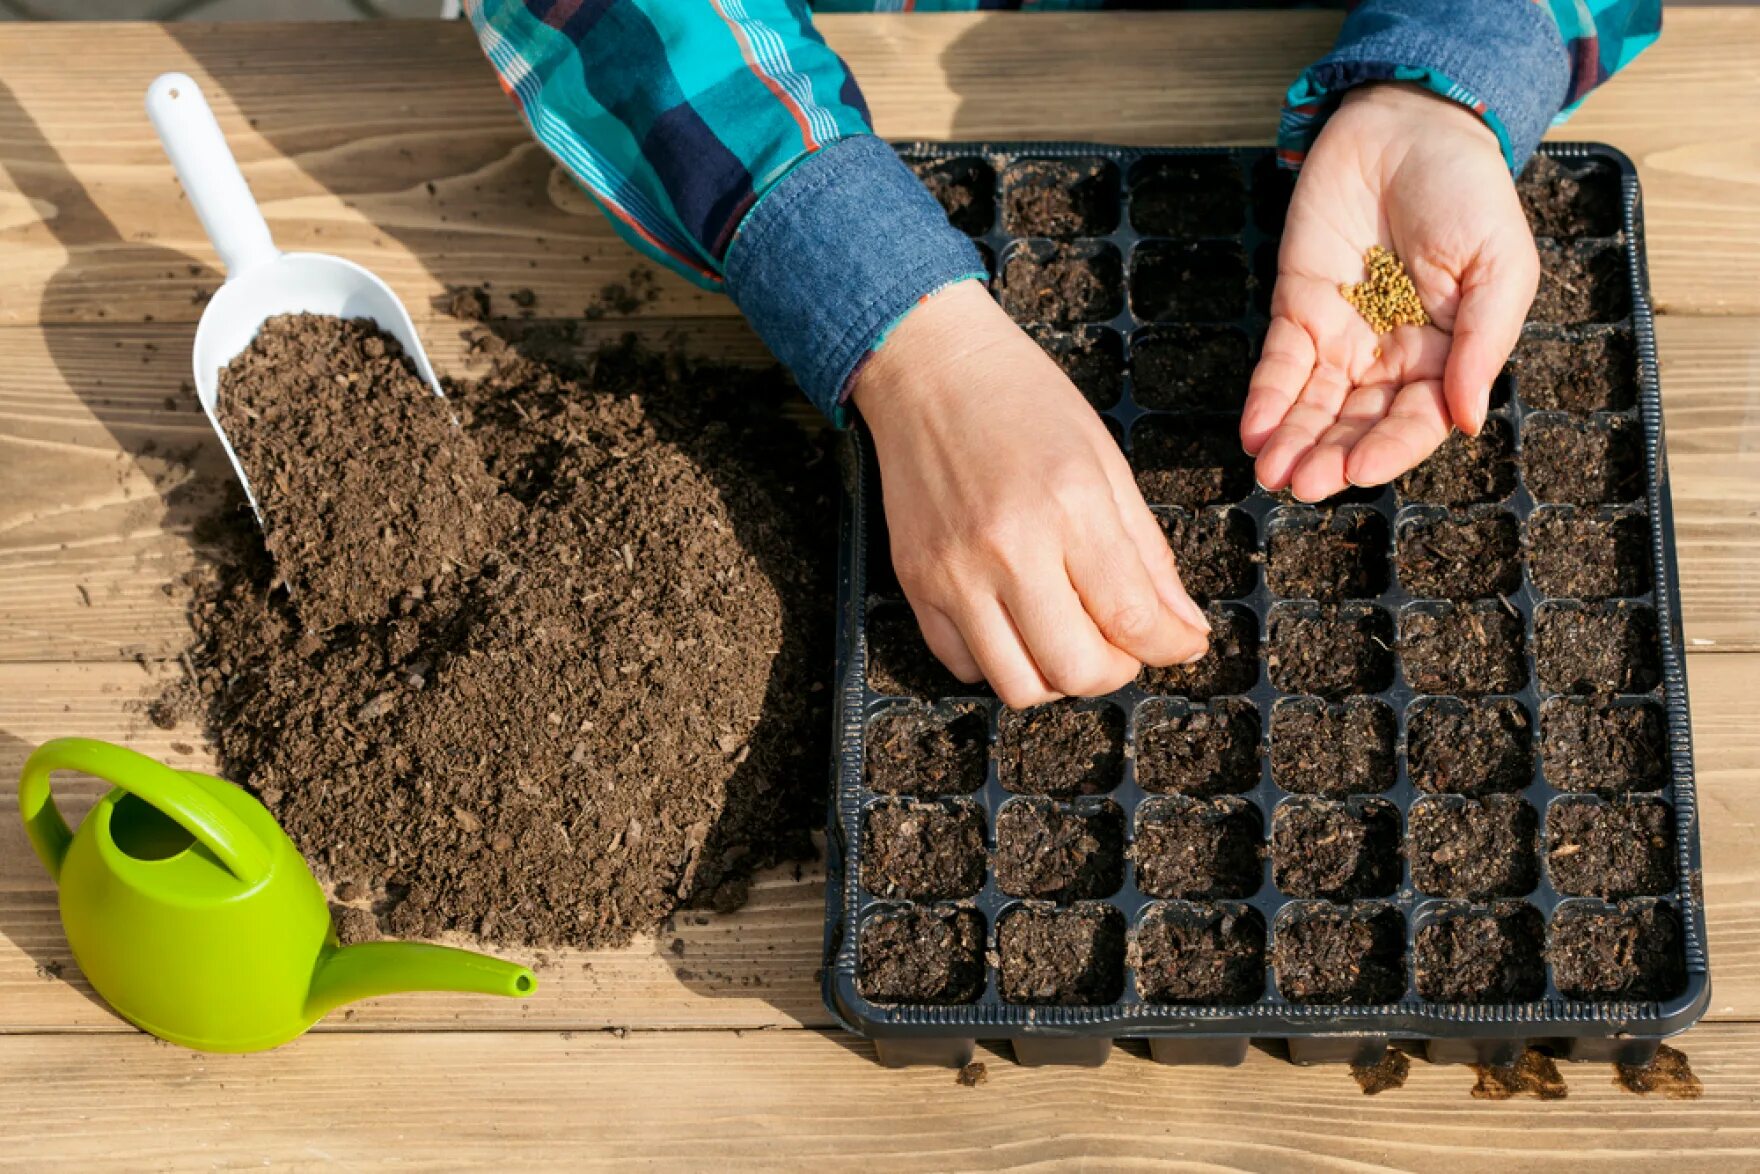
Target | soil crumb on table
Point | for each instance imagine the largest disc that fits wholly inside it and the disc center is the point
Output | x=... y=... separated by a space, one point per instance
x=1668 y=1074
x=1535 y=1074
x=615 y=709
x=1385 y=1074
x=972 y=1075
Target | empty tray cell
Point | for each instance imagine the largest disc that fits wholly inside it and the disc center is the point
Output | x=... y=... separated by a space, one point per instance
x=1272 y=187
x=1192 y=195
x=1213 y=954
x=1466 y=648
x=1464 y=470
x=1191 y=368
x=1063 y=748
x=1570 y=199
x=926 y=954
x=1330 y=650
x=1581 y=282
x=900 y=663
x=1469 y=554
x=1061 y=284
x=1335 y=851
x=1189 y=461
x=1582 y=462
x=1198 y=848
x=1188 y=281
x=1215 y=550
x=1092 y=357
x=1230 y=666
x=1627 y=953
x=1482 y=956
x=923 y=851
x=914 y=749
x=1597 y=648
x=1590 y=371
x=1201 y=752
x=1333 y=748
x=1073 y=957
x=1474 y=848
x=1578 y=554
x=1603 y=749
x=1060 y=853
x=1340 y=957
x=1326 y=553
x=966 y=190
x=1623 y=848
x=1476 y=747
x=1060 y=197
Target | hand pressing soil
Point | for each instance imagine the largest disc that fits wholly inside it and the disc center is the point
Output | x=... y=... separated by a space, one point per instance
x=1609 y=850
x=1474 y=848
x=1069 y=956
x=1212 y=751
x=1343 y=957
x=923 y=851
x=1631 y=952
x=1230 y=666
x=1185 y=954
x=1607 y=750
x=1198 y=849
x=1460 y=556
x=1578 y=556
x=929 y=954
x=1058 y=853
x=1062 y=749
x=1480 y=747
x=915 y=750
x=1483 y=957
x=1337 y=749
x=1336 y=851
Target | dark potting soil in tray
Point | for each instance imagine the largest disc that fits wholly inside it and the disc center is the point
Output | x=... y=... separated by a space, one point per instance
x=1401 y=678
x=924 y=851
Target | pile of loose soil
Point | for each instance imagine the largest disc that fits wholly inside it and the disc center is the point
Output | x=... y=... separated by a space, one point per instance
x=1061 y=284
x=1092 y=357
x=1071 y=956
x=1188 y=281
x=1578 y=556
x=1199 y=954
x=1063 y=749
x=1189 y=462
x=1214 y=549
x=1231 y=665
x=1205 y=752
x=1597 y=650
x=1668 y=1073
x=1475 y=848
x=1327 y=554
x=1608 y=955
x=1058 y=853
x=1330 y=650
x=1463 y=648
x=1192 y=196
x=615 y=709
x=1597 y=372
x=1346 y=957
x=965 y=189
x=1191 y=369
x=1384 y=1075
x=1333 y=749
x=1483 y=956
x=1583 y=462
x=1476 y=747
x=1460 y=556
x=1464 y=470
x=900 y=663
x=1581 y=284
x=1561 y=200
x=1335 y=851
x=1060 y=198
x=923 y=851
x=1197 y=849
x=926 y=954
x=915 y=750
x=1608 y=850
x=1532 y=1074
x=1605 y=750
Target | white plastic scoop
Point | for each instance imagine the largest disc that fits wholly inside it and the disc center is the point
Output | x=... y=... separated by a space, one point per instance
x=261 y=280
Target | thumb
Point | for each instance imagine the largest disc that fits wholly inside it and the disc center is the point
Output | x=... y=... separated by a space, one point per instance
x=1494 y=301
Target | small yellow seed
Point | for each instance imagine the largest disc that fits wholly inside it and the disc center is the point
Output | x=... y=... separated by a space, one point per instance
x=1386 y=297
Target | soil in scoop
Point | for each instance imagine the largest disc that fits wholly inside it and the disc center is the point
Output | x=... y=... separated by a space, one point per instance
x=1333 y=749
x=1191 y=369
x=1630 y=952
x=1199 y=954
x=1092 y=357
x=1230 y=666
x=368 y=490
x=1346 y=957
x=1579 y=285
x=1619 y=849
x=1058 y=853
x=916 y=750
x=965 y=189
x=1478 y=747
x=1483 y=956
x=1453 y=556
x=929 y=954
x=1187 y=197
x=1335 y=851
x=1464 y=470
x=1578 y=556
x=1583 y=462
x=1330 y=649
x=1062 y=956
x=1327 y=554
x=1214 y=549
x=1190 y=462
x=1213 y=751
x=1061 y=284
x=1474 y=848
x=1063 y=749
x=1198 y=848
x=1597 y=650
x=1598 y=372
x=1560 y=200
x=923 y=851
x=1466 y=648
x=1188 y=281
x=1606 y=750
x=617 y=712
x=1060 y=198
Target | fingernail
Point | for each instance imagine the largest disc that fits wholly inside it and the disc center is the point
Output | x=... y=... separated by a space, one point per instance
x=1195 y=657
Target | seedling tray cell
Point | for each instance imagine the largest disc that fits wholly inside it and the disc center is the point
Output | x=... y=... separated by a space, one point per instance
x=1435 y=781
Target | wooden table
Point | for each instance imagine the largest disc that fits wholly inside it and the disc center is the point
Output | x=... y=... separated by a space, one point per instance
x=391 y=144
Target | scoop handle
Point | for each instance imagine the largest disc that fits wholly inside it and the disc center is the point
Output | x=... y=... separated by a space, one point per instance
x=209 y=174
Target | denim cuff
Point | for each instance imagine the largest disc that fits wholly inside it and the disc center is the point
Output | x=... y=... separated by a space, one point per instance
x=834 y=254
x=1503 y=59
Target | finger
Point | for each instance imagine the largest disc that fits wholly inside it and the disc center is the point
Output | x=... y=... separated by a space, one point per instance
x=996 y=644
x=1285 y=365
x=1321 y=473
x=1417 y=421
x=1063 y=641
x=1302 y=427
x=1494 y=301
x=1113 y=583
x=1145 y=533
x=942 y=636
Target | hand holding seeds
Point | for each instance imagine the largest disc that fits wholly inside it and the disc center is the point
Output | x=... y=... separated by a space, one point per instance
x=1404 y=276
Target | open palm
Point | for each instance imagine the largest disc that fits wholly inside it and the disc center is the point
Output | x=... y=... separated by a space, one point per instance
x=1331 y=403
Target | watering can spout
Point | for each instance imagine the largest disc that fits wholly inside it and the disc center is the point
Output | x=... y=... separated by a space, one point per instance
x=370 y=969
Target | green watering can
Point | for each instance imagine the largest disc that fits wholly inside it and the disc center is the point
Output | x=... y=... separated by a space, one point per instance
x=195 y=917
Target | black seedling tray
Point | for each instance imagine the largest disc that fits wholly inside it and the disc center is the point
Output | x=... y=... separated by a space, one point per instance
x=1230 y=208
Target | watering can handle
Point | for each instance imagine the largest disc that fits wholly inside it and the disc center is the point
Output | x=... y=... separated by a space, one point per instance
x=209 y=174
x=197 y=812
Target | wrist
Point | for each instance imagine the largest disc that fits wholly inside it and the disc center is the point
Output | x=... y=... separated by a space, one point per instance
x=1422 y=110
x=901 y=378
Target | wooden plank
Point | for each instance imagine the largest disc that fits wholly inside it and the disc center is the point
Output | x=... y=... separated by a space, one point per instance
x=753 y=968
x=341 y=135
x=801 y=1100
